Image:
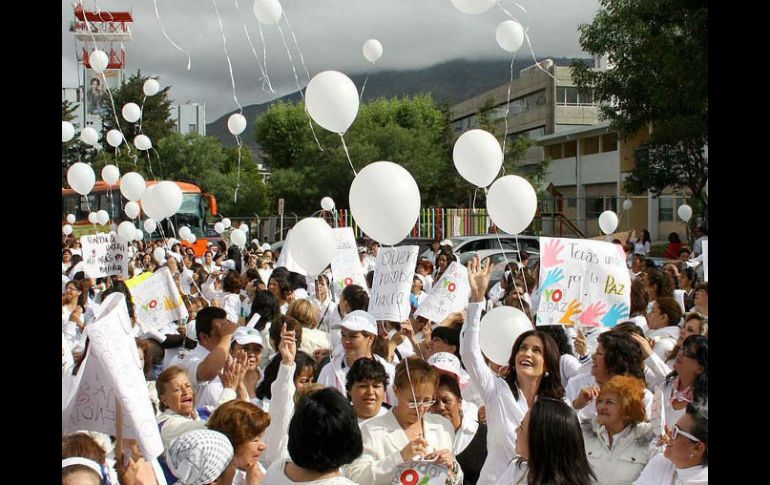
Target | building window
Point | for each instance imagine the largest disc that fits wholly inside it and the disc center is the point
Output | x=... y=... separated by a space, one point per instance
x=667 y=205
x=596 y=205
x=590 y=145
x=192 y=128
x=572 y=96
x=570 y=149
x=609 y=142
x=554 y=151
x=571 y=202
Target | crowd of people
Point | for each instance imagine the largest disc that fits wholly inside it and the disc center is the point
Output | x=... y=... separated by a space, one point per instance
x=276 y=379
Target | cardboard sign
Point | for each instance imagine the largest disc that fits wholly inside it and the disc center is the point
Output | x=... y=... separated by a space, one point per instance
x=705 y=260
x=346 y=265
x=157 y=300
x=449 y=294
x=111 y=374
x=582 y=282
x=105 y=254
x=420 y=473
x=392 y=283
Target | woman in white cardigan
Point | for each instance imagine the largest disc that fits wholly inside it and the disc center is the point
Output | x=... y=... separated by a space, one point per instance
x=407 y=431
x=617 y=439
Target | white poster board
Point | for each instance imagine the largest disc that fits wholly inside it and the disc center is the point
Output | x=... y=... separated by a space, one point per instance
x=157 y=300
x=110 y=374
x=582 y=282
x=346 y=264
x=392 y=283
x=104 y=254
x=449 y=294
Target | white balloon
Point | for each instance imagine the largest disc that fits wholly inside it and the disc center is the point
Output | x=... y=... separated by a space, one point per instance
x=327 y=204
x=193 y=238
x=226 y=222
x=608 y=222
x=473 y=7
x=238 y=238
x=385 y=201
x=150 y=225
x=268 y=11
x=627 y=204
x=131 y=112
x=142 y=142
x=149 y=206
x=166 y=199
x=92 y=218
x=184 y=232
x=332 y=101
x=81 y=178
x=219 y=228
x=114 y=138
x=159 y=254
x=67 y=131
x=685 y=212
x=151 y=87
x=478 y=157
x=509 y=35
x=511 y=203
x=244 y=228
x=132 y=186
x=313 y=244
x=127 y=231
x=499 y=330
x=236 y=123
x=71 y=218
x=103 y=217
x=66 y=229
x=89 y=136
x=98 y=60
x=139 y=234
x=110 y=174
x=132 y=210
x=372 y=50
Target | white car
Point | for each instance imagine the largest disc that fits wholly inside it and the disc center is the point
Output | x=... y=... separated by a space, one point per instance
x=464 y=244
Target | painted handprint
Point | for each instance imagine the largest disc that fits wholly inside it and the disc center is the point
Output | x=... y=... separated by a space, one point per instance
x=618 y=311
x=553 y=277
x=551 y=252
x=572 y=310
x=590 y=317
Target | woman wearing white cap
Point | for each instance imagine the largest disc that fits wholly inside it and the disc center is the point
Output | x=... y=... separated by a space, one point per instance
x=359 y=330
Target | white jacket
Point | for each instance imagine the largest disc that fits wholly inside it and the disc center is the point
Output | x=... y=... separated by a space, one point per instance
x=660 y=470
x=665 y=340
x=622 y=463
x=334 y=374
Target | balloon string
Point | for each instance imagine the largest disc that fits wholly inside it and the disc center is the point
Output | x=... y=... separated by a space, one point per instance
x=141 y=115
x=115 y=112
x=345 y=147
x=149 y=163
x=229 y=64
x=473 y=205
x=518 y=248
x=266 y=79
x=505 y=256
x=296 y=79
x=157 y=15
x=529 y=43
x=251 y=44
x=366 y=79
x=411 y=386
x=238 y=182
x=296 y=44
x=508 y=109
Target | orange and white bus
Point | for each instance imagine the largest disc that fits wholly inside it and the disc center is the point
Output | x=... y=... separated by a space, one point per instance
x=197 y=211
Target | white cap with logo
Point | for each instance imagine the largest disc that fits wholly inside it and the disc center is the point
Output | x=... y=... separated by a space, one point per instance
x=359 y=321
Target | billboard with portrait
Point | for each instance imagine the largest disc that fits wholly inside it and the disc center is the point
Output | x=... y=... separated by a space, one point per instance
x=97 y=99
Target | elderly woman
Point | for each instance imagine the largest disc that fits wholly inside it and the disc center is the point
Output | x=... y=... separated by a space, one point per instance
x=617 y=439
x=685 y=460
x=407 y=430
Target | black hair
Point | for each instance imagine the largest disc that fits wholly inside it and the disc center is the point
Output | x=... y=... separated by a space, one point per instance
x=628 y=326
x=322 y=418
x=559 y=335
x=266 y=304
x=699 y=412
x=674 y=238
x=284 y=284
x=697 y=345
x=357 y=297
x=664 y=285
x=205 y=318
x=550 y=384
x=449 y=335
x=450 y=381
x=622 y=354
x=301 y=360
x=365 y=369
x=119 y=286
x=297 y=280
x=692 y=275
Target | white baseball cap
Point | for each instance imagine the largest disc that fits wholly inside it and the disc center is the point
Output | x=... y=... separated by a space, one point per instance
x=446 y=242
x=247 y=335
x=359 y=321
x=449 y=363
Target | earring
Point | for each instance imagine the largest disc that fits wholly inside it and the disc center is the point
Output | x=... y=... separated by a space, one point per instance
x=546 y=374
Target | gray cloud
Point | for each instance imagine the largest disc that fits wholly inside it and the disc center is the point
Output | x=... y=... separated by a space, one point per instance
x=414 y=34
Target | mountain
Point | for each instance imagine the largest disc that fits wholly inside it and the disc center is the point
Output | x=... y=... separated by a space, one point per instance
x=450 y=82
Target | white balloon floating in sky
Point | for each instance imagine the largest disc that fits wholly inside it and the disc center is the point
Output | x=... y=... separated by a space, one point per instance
x=114 y=138
x=327 y=204
x=150 y=225
x=139 y=234
x=685 y=212
x=132 y=186
x=67 y=131
x=236 y=123
x=238 y=238
x=608 y=222
x=226 y=222
x=132 y=210
x=89 y=136
x=110 y=174
x=103 y=217
x=131 y=112
x=150 y=87
x=478 y=157
x=184 y=232
x=81 y=178
x=372 y=50
x=92 y=218
x=219 y=228
x=71 y=218
x=511 y=203
x=627 y=204
x=268 y=11
x=142 y=142
x=312 y=244
x=509 y=35
x=244 y=228
x=473 y=7
x=332 y=101
x=98 y=60
x=126 y=230
x=66 y=229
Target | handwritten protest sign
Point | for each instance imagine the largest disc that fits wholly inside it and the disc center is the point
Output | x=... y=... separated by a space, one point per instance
x=104 y=254
x=705 y=260
x=393 y=275
x=346 y=265
x=449 y=294
x=157 y=300
x=111 y=375
x=582 y=282
x=420 y=473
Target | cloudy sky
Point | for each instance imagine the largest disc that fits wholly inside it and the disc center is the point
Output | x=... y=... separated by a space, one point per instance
x=330 y=33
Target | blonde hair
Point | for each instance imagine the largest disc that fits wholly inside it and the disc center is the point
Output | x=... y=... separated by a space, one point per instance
x=304 y=312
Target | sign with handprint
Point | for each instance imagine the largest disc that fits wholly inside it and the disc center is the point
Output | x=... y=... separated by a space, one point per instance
x=449 y=294
x=346 y=264
x=582 y=282
x=157 y=300
x=105 y=254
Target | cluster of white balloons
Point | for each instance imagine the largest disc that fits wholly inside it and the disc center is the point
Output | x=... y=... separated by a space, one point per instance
x=161 y=200
x=186 y=234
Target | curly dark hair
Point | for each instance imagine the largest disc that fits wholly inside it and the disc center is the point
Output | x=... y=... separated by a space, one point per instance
x=622 y=354
x=365 y=369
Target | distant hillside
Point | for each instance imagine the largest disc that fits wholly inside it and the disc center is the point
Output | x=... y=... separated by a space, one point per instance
x=450 y=82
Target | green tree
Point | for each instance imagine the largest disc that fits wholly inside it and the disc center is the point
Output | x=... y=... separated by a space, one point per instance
x=659 y=81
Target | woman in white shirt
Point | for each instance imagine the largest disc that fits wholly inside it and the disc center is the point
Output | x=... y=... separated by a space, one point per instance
x=365 y=384
x=231 y=295
x=663 y=322
x=641 y=244
x=66 y=260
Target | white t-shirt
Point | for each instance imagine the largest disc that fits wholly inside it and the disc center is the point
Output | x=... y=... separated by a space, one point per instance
x=206 y=392
x=276 y=476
